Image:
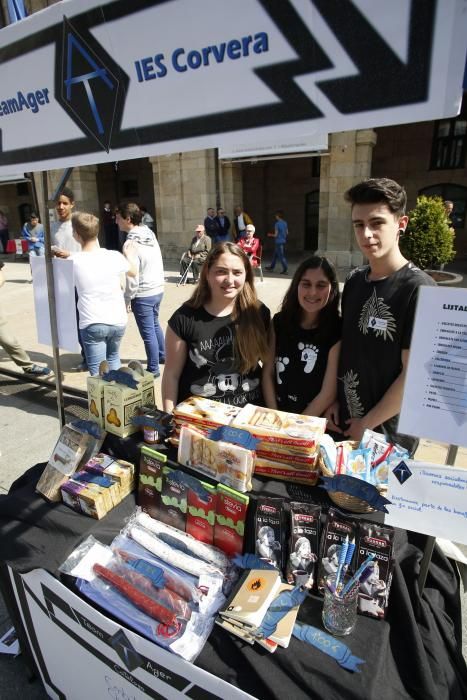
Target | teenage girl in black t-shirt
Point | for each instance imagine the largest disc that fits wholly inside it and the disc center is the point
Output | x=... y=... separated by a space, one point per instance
x=215 y=342
x=300 y=373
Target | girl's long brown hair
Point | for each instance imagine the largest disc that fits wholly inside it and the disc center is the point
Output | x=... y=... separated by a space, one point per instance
x=250 y=338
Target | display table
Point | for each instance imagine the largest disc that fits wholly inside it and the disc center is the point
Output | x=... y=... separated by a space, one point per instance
x=415 y=653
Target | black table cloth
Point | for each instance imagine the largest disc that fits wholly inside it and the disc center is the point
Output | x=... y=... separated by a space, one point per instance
x=415 y=653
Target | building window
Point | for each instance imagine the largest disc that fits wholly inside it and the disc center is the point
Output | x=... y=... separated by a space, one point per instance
x=449 y=142
x=457 y=194
x=316 y=166
x=22 y=189
x=130 y=188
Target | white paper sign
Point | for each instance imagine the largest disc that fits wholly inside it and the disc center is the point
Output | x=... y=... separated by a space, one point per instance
x=64 y=302
x=429 y=498
x=99 y=658
x=87 y=82
x=435 y=393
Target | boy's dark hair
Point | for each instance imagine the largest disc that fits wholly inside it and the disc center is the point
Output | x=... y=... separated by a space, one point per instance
x=280 y=213
x=66 y=192
x=376 y=190
x=131 y=211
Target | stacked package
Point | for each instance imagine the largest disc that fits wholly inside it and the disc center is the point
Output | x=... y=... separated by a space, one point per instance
x=202 y=414
x=101 y=485
x=288 y=445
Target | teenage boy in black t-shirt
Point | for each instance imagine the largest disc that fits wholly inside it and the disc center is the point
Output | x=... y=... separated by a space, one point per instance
x=378 y=308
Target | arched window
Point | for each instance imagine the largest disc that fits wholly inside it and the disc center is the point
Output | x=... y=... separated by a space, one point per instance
x=456 y=193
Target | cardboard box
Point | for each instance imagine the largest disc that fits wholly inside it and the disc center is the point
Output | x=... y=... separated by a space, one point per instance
x=146 y=382
x=95 y=387
x=118 y=469
x=120 y=404
x=148 y=393
x=69 y=452
x=109 y=660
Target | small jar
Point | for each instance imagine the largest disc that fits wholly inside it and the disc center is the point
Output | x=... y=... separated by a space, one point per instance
x=150 y=435
x=339 y=612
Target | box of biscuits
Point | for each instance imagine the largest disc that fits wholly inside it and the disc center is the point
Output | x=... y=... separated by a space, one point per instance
x=281 y=428
x=223 y=461
x=202 y=414
x=288 y=442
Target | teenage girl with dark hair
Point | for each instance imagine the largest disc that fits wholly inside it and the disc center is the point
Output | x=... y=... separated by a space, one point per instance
x=215 y=341
x=300 y=373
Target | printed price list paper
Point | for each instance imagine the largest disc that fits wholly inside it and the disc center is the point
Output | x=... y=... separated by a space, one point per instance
x=435 y=394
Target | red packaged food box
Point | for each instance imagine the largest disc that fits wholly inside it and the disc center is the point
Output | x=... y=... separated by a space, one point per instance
x=201 y=514
x=231 y=513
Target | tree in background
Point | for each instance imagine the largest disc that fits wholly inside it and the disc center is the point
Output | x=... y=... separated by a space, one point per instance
x=429 y=239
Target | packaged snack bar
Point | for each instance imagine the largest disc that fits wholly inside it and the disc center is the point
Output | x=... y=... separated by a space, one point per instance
x=150 y=480
x=373 y=594
x=359 y=464
x=173 y=503
x=304 y=543
x=338 y=527
x=201 y=514
x=269 y=530
x=231 y=513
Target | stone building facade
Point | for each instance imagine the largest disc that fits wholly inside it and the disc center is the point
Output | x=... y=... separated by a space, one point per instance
x=177 y=189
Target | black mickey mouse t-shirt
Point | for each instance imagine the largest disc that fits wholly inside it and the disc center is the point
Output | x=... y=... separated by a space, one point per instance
x=377 y=325
x=210 y=368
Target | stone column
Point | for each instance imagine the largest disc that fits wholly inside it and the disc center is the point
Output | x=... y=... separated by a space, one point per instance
x=231 y=186
x=184 y=187
x=349 y=162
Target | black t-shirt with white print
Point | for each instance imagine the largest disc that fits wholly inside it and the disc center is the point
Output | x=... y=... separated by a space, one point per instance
x=377 y=318
x=210 y=369
x=301 y=359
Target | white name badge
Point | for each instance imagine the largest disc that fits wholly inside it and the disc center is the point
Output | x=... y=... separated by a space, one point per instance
x=377 y=324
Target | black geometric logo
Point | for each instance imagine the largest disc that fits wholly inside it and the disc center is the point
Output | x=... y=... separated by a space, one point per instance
x=122 y=645
x=89 y=84
x=402 y=472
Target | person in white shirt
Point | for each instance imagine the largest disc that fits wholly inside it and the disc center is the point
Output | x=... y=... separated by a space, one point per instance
x=63 y=243
x=144 y=293
x=99 y=280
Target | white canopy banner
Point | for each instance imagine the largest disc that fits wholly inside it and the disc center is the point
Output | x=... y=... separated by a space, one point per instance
x=85 y=82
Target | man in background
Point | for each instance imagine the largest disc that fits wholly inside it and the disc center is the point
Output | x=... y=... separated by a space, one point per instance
x=33 y=233
x=223 y=226
x=211 y=225
x=240 y=222
x=12 y=347
x=109 y=227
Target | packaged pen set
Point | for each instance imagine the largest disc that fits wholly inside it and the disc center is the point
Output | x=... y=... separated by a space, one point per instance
x=363 y=542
